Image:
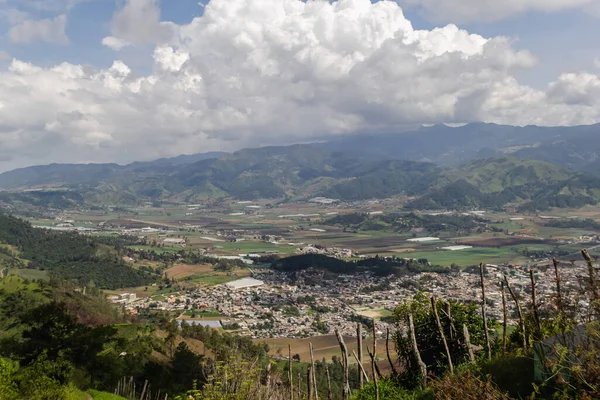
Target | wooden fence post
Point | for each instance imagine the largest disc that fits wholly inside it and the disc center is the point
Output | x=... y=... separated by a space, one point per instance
x=468 y=343
x=361 y=367
x=593 y=283
x=539 y=335
x=484 y=314
x=558 y=282
x=309 y=383
x=441 y=332
x=449 y=315
x=505 y=318
x=415 y=348
x=387 y=351
x=374 y=362
x=360 y=352
x=345 y=364
x=290 y=372
x=329 y=394
x=314 y=371
x=519 y=312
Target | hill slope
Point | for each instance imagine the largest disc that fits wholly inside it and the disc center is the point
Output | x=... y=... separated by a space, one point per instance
x=496 y=182
x=570 y=147
x=269 y=172
x=68 y=255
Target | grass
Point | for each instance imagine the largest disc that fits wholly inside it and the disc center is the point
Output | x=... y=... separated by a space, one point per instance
x=31 y=274
x=466 y=257
x=200 y=314
x=212 y=280
x=12 y=284
x=157 y=250
x=255 y=247
x=96 y=395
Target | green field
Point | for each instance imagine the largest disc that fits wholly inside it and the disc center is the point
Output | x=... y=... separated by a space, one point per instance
x=199 y=314
x=256 y=247
x=211 y=280
x=157 y=250
x=467 y=257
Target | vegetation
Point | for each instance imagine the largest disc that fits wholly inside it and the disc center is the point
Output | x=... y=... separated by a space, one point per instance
x=380 y=266
x=407 y=222
x=70 y=256
x=494 y=183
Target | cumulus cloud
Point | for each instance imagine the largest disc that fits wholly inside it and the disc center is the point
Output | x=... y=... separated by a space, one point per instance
x=255 y=72
x=115 y=43
x=492 y=10
x=138 y=22
x=45 y=30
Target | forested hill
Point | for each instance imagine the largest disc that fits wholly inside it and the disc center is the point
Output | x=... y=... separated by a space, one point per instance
x=496 y=182
x=304 y=171
x=67 y=255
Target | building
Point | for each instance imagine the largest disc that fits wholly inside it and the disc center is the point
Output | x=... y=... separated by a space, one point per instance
x=244 y=283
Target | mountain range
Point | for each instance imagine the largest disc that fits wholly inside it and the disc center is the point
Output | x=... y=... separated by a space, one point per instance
x=477 y=165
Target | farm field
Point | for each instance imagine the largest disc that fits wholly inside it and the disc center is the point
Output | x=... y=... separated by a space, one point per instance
x=213 y=280
x=466 y=257
x=374 y=313
x=206 y=227
x=323 y=347
x=182 y=271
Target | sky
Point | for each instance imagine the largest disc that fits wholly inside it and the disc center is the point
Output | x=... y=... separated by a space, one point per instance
x=131 y=80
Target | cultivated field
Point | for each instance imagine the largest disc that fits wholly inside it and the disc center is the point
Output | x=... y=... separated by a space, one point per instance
x=181 y=271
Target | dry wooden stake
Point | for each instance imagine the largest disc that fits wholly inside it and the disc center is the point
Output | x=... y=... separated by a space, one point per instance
x=309 y=384
x=329 y=394
x=449 y=315
x=387 y=351
x=361 y=367
x=484 y=315
x=592 y=278
x=505 y=319
x=415 y=348
x=290 y=377
x=144 y=390
x=344 y=349
x=360 y=352
x=441 y=332
x=374 y=361
x=536 y=315
x=519 y=312
x=314 y=371
x=468 y=343
x=558 y=282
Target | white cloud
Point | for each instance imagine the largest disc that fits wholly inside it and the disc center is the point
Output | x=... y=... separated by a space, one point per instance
x=597 y=62
x=252 y=72
x=138 y=22
x=492 y=10
x=115 y=43
x=46 y=30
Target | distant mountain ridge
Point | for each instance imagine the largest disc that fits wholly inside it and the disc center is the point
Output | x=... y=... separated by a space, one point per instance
x=496 y=182
x=572 y=147
x=503 y=172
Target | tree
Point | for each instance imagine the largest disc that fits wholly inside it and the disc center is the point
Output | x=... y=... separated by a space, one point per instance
x=187 y=368
x=429 y=341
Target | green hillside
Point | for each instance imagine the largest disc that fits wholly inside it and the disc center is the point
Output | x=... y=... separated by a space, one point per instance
x=269 y=172
x=496 y=182
x=66 y=255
